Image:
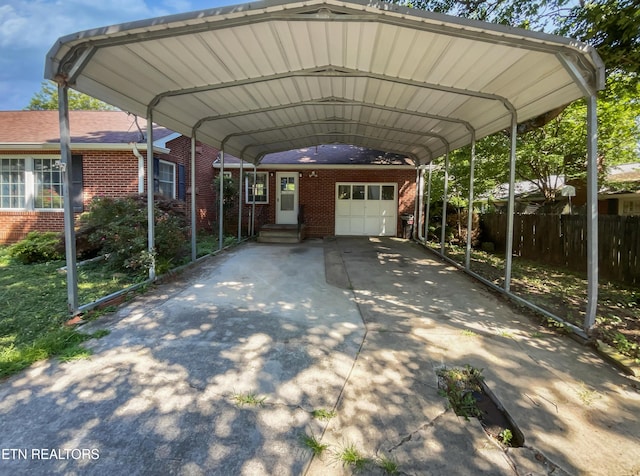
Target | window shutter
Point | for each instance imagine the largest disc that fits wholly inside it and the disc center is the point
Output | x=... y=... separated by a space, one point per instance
x=156 y=175
x=182 y=184
x=77 y=188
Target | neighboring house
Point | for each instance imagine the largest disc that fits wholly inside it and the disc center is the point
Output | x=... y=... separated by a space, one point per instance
x=332 y=189
x=109 y=157
x=528 y=197
x=621 y=195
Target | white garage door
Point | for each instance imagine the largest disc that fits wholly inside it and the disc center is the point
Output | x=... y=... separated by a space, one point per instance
x=369 y=209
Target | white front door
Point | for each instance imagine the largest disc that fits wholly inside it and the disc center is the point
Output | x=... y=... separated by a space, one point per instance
x=287 y=198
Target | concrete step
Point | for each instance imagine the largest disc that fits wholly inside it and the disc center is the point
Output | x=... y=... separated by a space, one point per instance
x=273 y=233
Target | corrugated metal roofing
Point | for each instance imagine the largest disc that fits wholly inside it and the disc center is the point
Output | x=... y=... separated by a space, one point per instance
x=270 y=76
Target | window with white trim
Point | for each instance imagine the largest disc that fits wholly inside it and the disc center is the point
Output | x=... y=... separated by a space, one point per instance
x=258 y=190
x=165 y=179
x=48 y=183
x=36 y=183
x=12 y=183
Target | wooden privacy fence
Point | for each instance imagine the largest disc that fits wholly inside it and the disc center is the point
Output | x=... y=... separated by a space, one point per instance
x=561 y=240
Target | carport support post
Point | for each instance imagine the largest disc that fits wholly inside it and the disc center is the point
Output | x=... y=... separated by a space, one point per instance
x=221 y=203
x=472 y=166
x=426 y=213
x=418 y=222
x=444 y=201
x=253 y=205
x=69 y=231
x=592 y=213
x=151 y=231
x=194 y=251
x=240 y=180
x=416 y=206
x=511 y=208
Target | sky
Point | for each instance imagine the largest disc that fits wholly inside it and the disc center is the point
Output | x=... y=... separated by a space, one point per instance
x=29 y=28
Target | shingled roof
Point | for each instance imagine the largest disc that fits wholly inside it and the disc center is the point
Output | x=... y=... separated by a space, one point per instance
x=87 y=127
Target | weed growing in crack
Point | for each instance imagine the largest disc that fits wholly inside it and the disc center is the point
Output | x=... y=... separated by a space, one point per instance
x=506 y=436
x=313 y=444
x=242 y=399
x=323 y=414
x=458 y=385
x=587 y=396
x=388 y=465
x=470 y=333
x=350 y=456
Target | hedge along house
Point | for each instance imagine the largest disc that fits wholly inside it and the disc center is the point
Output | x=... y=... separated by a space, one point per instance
x=108 y=151
x=324 y=190
x=278 y=75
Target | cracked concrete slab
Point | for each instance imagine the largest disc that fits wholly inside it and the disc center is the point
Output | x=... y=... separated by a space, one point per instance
x=358 y=326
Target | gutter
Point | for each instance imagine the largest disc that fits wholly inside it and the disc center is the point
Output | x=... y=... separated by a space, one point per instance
x=141 y=161
x=54 y=146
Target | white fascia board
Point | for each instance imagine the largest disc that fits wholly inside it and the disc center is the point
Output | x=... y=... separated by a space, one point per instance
x=163 y=142
x=315 y=166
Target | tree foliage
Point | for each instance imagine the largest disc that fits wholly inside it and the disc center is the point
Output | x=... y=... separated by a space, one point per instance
x=555 y=149
x=47 y=99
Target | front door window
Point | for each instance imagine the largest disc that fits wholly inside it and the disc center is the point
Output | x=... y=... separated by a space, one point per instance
x=287 y=200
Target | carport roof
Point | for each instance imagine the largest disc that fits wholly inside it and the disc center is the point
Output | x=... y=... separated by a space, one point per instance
x=278 y=75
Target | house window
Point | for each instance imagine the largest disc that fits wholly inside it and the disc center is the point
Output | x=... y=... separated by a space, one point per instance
x=630 y=207
x=258 y=192
x=36 y=183
x=48 y=183
x=12 y=183
x=165 y=182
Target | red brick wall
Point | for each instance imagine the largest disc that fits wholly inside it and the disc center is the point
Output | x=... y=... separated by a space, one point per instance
x=205 y=197
x=105 y=173
x=318 y=197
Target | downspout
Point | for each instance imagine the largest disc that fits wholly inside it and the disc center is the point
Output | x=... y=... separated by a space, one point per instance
x=511 y=207
x=194 y=227
x=151 y=239
x=472 y=165
x=140 y=158
x=444 y=201
x=69 y=229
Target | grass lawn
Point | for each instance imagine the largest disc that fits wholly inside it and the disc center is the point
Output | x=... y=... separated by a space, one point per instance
x=34 y=310
x=34 y=306
x=564 y=293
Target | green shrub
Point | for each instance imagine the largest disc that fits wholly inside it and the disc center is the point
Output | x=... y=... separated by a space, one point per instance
x=37 y=247
x=118 y=228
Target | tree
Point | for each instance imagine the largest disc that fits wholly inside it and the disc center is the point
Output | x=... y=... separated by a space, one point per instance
x=47 y=99
x=612 y=27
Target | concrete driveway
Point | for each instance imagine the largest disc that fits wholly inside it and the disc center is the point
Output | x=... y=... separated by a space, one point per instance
x=220 y=371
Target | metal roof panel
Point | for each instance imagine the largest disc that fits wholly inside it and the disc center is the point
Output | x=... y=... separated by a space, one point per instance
x=277 y=71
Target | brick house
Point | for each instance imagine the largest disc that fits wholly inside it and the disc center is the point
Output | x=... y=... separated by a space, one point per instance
x=334 y=189
x=339 y=189
x=109 y=157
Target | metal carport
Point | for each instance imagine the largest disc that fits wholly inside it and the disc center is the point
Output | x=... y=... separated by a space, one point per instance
x=269 y=76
